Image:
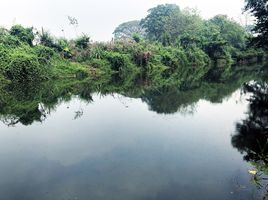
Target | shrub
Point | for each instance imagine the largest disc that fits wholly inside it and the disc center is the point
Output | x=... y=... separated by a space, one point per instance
x=142 y=58
x=47 y=40
x=4 y=57
x=44 y=54
x=136 y=37
x=9 y=41
x=117 y=60
x=82 y=42
x=99 y=63
x=81 y=74
x=24 y=67
x=25 y=35
x=173 y=57
x=197 y=57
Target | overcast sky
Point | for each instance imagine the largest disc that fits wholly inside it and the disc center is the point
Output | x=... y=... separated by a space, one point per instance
x=99 y=18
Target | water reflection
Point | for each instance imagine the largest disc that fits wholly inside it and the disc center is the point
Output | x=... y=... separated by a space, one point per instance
x=252 y=133
x=251 y=137
x=26 y=104
x=114 y=152
x=102 y=142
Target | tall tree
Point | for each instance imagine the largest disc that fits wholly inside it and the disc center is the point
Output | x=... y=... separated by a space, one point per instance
x=128 y=29
x=157 y=17
x=185 y=22
x=230 y=31
x=259 y=9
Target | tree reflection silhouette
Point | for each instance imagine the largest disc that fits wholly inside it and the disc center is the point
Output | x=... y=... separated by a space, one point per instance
x=251 y=136
x=29 y=103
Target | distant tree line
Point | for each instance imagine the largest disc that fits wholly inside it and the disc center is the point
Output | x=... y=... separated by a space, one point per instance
x=218 y=37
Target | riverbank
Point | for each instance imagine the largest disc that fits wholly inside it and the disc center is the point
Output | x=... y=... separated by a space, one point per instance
x=29 y=57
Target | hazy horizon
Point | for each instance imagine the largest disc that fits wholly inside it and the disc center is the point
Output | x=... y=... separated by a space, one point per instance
x=99 y=18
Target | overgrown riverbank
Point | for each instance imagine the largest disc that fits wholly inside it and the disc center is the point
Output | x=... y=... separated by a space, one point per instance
x=27 y=103
x=169 y=47
x=49 y=59
x=160 y=54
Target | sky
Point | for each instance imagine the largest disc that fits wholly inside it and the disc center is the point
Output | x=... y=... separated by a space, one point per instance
x=99 y=18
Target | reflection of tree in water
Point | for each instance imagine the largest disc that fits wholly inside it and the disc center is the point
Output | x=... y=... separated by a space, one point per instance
x=28 y=103
x=170 y=100
x=252 y=133
x=251 y=136
x=21 y=105
x=26 y=117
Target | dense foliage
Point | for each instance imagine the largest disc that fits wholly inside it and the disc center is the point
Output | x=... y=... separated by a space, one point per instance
x=251 y=137
x=168 y=22
x=169 y=45
x=22 y=61
x=155 y=21
x=24 y=34
x=259 y=9
x=126 y=30
x=219 y=37
x=28 y=103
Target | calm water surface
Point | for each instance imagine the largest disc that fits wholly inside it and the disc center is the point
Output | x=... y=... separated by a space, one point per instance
x=118 y=148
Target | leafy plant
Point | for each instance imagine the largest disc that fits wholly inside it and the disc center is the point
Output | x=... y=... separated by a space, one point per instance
x=82 y=42
x=24 y=34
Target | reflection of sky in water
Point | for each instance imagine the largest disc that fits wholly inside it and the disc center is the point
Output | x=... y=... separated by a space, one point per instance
x=119 y=149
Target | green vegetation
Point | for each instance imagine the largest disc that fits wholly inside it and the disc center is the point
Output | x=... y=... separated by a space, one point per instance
x=126 y=30
x=251 y=138
x=27 y=103
x=169 y=47
x=259 y=9
x=252 y=133
x=22 y=61
x=170 y=60
x=24 y=34
x=221 y=38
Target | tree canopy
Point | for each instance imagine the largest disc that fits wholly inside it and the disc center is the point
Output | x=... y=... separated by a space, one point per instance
x=259 y=9
x=157 y=18
x=230 y=31
x=169 y=24
x=128 y=29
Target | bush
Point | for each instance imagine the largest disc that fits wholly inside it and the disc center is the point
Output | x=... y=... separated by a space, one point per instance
x=82 y=42
x=142 y=58
x=173 y=57
x=47 y=40
x=24 y=67
x=44 y=54
x=117 y=60
x=136 y=37
x=9 y=41
x=197 y=57
x=96 y=53
x=99 y=63
x=4 y=57
x=25 y=35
